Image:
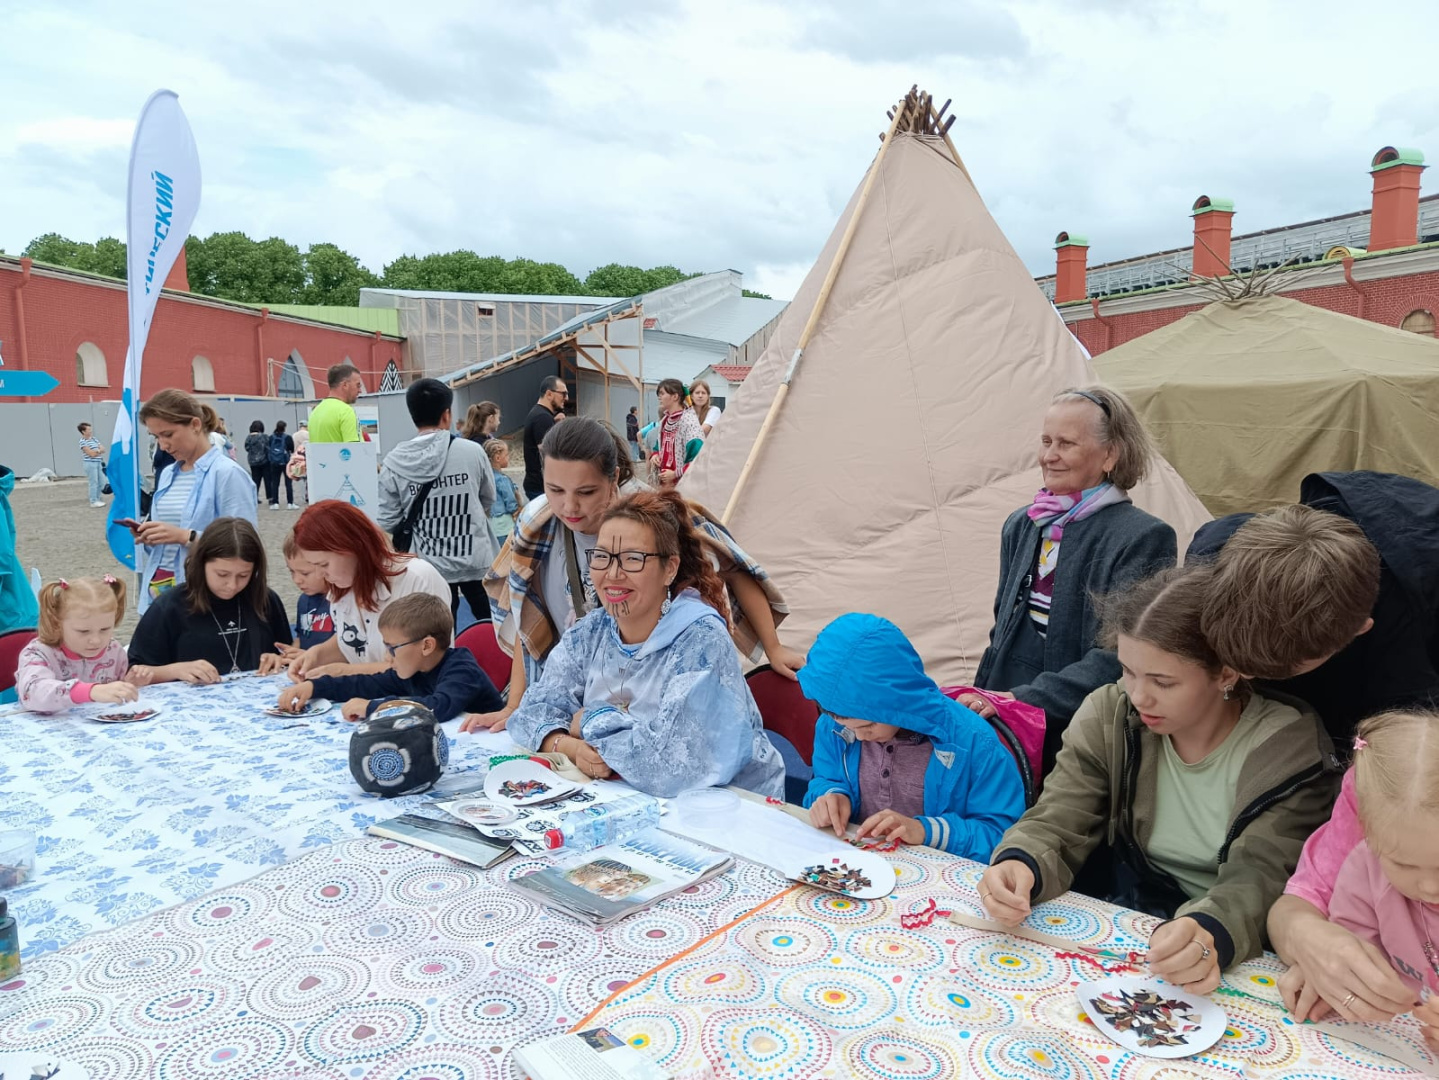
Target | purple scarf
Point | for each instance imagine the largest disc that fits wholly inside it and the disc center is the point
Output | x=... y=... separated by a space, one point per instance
x=1052 y=512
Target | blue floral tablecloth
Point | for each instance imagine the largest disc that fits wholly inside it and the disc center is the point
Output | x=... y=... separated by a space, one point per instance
x=130 y=818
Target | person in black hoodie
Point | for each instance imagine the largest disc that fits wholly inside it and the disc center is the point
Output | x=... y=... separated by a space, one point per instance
x=416 y=630
x=1366 y=637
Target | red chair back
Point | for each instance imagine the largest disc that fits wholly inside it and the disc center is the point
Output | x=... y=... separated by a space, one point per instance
x=494 y=661
x=784 y=709
x=10 y=646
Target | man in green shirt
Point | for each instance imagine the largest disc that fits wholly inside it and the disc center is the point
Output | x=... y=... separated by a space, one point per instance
x=334 y=420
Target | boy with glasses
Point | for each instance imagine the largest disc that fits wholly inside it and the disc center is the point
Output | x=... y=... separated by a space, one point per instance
x=425 y=668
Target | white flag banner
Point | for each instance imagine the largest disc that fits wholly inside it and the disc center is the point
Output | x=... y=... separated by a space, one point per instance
x=164 y=194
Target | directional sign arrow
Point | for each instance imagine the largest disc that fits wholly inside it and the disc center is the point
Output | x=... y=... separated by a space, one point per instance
x=26 y=383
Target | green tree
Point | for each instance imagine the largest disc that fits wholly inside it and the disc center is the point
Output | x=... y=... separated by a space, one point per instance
x=615 y=279
x=105 y=256
x=334 y=277
x=232 y=266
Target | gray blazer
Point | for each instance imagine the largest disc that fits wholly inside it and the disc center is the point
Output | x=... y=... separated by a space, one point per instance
x=1118 y=545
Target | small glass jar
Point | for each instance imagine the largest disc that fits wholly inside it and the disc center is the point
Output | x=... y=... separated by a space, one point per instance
x=9 y=944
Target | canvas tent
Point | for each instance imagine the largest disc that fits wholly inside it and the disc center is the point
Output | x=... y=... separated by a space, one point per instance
x=910 y=429
x=1249 y=396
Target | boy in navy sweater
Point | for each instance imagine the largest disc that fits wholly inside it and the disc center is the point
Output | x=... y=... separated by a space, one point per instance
x=424 y=667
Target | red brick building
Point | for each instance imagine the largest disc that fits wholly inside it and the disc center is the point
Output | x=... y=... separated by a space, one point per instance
x=75 y=326
x=1380 y=264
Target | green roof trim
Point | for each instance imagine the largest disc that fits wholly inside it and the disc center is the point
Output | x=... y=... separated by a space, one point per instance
x=1204 y=204
x=385 y=320
x=1390 y=156
x=1066 y=239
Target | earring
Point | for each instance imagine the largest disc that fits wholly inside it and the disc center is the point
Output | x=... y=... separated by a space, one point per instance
x=665 y=607
x=1228 y=692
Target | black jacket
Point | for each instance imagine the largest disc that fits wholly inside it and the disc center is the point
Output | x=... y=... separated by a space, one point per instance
x=1396 y=664
x=169 y=634
x=457 y=686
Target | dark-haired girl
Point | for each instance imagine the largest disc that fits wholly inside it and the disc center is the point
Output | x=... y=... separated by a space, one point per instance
x=650 y=687
x=541 y=583
x=224 y=618
x=1203 y=792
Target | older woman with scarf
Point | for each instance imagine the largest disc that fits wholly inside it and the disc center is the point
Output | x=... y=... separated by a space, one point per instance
x=1080 y=539
x=677 y=437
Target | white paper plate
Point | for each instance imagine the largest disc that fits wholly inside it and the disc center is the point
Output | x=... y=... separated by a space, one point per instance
x=523 y=783
x=1150 y=1017
x=24 y=1064
x=127 y=714
x=864 y=875
x=313 y=707
x=480 y=812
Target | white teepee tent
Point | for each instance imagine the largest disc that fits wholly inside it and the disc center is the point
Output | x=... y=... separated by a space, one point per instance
x=923 y=357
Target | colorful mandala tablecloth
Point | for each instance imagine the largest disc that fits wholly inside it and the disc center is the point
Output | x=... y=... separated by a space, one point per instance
x=817 y=985
x=368 y=959
x=132 y=818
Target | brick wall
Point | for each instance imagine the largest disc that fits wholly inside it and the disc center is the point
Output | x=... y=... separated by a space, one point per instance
x=63 y=312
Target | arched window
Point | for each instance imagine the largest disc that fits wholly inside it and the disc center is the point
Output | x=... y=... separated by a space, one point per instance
x=90 y=367
x=203 y=375
x=292 y=381
x=1419 y=322
x=390 y=381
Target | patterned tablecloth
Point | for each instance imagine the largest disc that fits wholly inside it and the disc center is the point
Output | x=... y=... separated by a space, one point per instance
x=132 y=818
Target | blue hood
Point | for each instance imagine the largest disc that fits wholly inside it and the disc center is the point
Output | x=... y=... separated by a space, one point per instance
x=862 y=666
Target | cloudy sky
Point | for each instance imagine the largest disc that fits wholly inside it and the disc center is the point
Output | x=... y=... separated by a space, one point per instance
x=704 y=134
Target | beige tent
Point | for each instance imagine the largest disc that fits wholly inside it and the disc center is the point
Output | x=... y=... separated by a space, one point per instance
x=1248 y=396
x=910 y=429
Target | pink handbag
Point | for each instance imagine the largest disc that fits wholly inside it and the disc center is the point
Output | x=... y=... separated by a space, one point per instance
x=1020 y=726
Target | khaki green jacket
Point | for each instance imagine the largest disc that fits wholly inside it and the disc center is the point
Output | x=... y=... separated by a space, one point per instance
x=1102 y=790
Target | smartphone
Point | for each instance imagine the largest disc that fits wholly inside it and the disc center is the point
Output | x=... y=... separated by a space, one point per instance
x=129 y=523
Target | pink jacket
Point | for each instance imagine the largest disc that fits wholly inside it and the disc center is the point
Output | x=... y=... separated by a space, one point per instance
x=1366 y=905
x=49 y=677
x=1326 y=850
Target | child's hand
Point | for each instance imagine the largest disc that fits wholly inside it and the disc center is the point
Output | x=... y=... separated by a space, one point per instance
x=490 y=721
x=113 y=692
x=891 y=825
x=355 y=708
x=288 y=652
x=293 y=698
x=1428 y=1015
x=320 y=672
x=785 y=661
x=198 y=672
x=271 y=663
x=1182 y=953
x=831 y=812
x=140 y=675
x=1301 y=997
x=1004 y=891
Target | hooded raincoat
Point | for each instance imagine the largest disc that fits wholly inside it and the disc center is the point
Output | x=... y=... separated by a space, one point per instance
x=668 y=714
x=863 y=667
x=18 y=609
x=453 y=532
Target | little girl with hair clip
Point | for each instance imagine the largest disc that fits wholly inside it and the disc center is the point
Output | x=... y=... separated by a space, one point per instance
x=1387 y=891
x=75 y=657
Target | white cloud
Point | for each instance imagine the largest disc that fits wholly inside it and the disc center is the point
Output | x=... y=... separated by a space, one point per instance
x=699 y=134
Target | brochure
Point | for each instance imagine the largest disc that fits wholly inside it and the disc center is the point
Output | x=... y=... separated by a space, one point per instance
x=446 y=837
x=596 y=1054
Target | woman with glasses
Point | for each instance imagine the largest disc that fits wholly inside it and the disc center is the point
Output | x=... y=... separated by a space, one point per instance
x=650 y=687
x=1092 y=450
x=541 y=584
x=365 y=575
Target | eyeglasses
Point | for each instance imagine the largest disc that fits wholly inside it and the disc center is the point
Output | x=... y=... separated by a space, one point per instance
x=392 y=649
x=631 y=562
x=560 y=393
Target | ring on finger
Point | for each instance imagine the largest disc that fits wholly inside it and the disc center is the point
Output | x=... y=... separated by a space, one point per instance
x=1205 y=952
x=1348 y=1001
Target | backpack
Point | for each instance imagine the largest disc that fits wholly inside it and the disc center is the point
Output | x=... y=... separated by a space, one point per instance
x=278 y=454
x=256 y=451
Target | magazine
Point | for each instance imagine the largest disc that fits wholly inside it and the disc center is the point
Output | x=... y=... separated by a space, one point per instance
x=526 y=830
x=446 y=837
x=586 y=1055
x=604 y=885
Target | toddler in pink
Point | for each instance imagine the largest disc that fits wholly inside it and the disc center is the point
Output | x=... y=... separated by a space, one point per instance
x=75 y=657
x=1387 y=891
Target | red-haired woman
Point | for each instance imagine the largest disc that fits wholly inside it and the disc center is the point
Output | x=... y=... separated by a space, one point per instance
x=651 y=687
x=364 y=574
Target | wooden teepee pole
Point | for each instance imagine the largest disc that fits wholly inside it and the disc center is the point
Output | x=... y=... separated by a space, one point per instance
x=901 y=113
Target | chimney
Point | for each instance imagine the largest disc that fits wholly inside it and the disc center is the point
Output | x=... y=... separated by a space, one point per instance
x=1394 y=222
x=1069 y=273
x=179 y=275
x=1213 y=219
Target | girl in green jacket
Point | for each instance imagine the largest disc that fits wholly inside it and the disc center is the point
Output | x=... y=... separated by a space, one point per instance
x=1202 y=791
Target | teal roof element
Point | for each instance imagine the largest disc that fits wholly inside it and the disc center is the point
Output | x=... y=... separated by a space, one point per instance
x=1204 y=204
x=1065 y=239
x=385 y=320
x=1390 y=156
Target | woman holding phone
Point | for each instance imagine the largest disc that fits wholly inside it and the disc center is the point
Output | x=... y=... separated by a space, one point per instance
x=203 y=484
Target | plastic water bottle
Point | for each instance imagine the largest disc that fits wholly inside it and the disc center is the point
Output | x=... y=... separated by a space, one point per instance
x=604 y=823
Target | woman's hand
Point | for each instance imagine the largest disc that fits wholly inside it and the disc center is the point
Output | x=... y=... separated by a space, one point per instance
x=197 y=672
x=490 y=721
x=288 y=652
x=892 y=826
x=1428 y=1015
x=1182 y=953
x=586 y=758
x=668 y=477
x=357 y=708
x=976 y=703
x=114 y=692
x=154 y=533
x=831 y=811
x=293 y=698
x=1300 y=997
x=140 y=675
x=1004 y=891
x=270 y=663
x=1351 y=976
x=784 y=660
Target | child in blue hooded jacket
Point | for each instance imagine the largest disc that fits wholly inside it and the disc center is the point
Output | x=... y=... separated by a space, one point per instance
x=891 y=751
